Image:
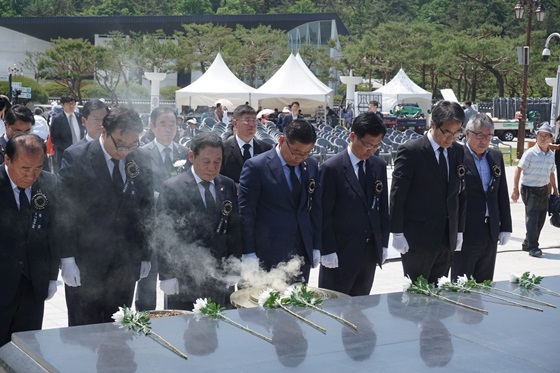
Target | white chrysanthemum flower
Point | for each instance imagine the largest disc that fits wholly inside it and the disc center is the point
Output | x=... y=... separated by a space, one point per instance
x=199 y=305
x=118 y=316
x=180 y=163
x=462 y=280
x=263 y=297
x=514 y=278
x=407 y=283
x=442 y=281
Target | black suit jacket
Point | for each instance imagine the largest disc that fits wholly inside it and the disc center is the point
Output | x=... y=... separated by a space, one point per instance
x=232 y=162
x=160 y=174
x=269 y=217
x=61 y=134
x=419 y=207
x=102 y=227
x=350 y=217
x=497 y=198
x=37 y=241
x=184 y=221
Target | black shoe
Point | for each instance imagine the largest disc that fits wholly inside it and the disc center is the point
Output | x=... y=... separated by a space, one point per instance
x=525 y=247
x=535 y=252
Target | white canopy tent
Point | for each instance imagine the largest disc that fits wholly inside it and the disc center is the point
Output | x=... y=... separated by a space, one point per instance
x=218 y=82
x=403 y=90
x=294 y=82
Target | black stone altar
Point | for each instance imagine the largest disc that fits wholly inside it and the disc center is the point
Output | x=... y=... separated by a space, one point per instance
x=398 y=332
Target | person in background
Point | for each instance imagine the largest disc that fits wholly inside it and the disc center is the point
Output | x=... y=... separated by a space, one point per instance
x=292 y=115
x=536 y=171
x=66 y=127
x=5 y=105
x=374 y=107
x=469 y=112
x=219 y=113
x=488 y=220
x=93 y=113
x=18 y=119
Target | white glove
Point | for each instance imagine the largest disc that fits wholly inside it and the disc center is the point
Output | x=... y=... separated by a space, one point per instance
x=316 y=258
x=70 y=272
x=52 y=289
x=385 y=255
x=503 y=238
x=330 y=260
x=145 y=267
x=400 y=243
x=459 y=241
x=169 y=287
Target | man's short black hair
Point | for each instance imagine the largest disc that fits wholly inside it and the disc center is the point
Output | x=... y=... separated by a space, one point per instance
x=242 y=110
x=67 y=97
x=445 y=111
x=91 y=105
x=301 y=131
x=5 y=103
x=204 y=140
x=368 y=123
x=26 y=142
x=123 y=119
x=374 y=102
x=159 y=111
x=19 y=112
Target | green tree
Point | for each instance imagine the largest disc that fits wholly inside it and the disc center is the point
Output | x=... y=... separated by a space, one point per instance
x=302 y=6
x=235 y=7
x=69 y=62
x=193 y=7
x=32 y=61
x=38 y=93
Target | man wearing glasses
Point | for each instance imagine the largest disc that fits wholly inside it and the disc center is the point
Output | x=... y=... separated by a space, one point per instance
x=488 y=220
x=18 y=119
x=537 y=182
x=279 y=202
x=355 y=210
x=106 y=209
x=243 y=145
x=427 y=196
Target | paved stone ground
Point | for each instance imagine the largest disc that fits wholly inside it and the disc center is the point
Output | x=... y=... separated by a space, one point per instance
x=390 y=279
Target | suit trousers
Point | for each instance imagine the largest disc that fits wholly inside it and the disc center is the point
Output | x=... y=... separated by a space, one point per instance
x=24 y=313
x=431 y=264
x=146 y=288
x=536 y=206
x=99 y=298
x=476 y=260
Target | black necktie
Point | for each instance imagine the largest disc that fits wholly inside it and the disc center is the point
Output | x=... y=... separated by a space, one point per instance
x=246 y=153
x=117 y=176
x=362 y=176
x=168 y=162
x=296 y=185
x=443 y=166
x=210 y=203
x=24 y=207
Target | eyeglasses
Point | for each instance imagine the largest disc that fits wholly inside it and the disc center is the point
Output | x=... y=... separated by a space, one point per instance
x=544 y=135
x=370 y=147
x=122 y=148
x=301 y=155
x=248 y=120
x=481 y=136
x=450 y=135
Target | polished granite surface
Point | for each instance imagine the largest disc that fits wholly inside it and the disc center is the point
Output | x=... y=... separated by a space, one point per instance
x=398 y=332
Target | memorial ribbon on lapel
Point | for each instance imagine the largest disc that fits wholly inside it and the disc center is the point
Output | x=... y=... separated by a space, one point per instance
x=227 y=207
x=311 y=186
x=496 y=174
x=461 y=175
x=39 y=202
x=132 y=171
x=378 y=189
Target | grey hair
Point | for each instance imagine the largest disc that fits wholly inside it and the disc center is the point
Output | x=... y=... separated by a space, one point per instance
x=480 y=121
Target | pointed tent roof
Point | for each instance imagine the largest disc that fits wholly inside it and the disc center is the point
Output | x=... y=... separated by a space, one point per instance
x=217 y=82
x=294 y=82
x=403 y=90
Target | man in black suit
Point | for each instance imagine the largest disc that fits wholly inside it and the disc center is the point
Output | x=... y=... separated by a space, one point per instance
x=107 y=212
x=162 y=152
x=355 y=210
x=243 y=145
x=428 y=196
x=198 y=226
x=29 y=264
x=18 y=119
x=294 y=114
x=66 y=128
x=488 y=220
x=279 y=202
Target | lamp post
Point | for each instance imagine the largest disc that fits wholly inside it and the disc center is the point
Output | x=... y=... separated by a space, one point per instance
x=554 y=83
x=12 y=70
x=519 y=12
